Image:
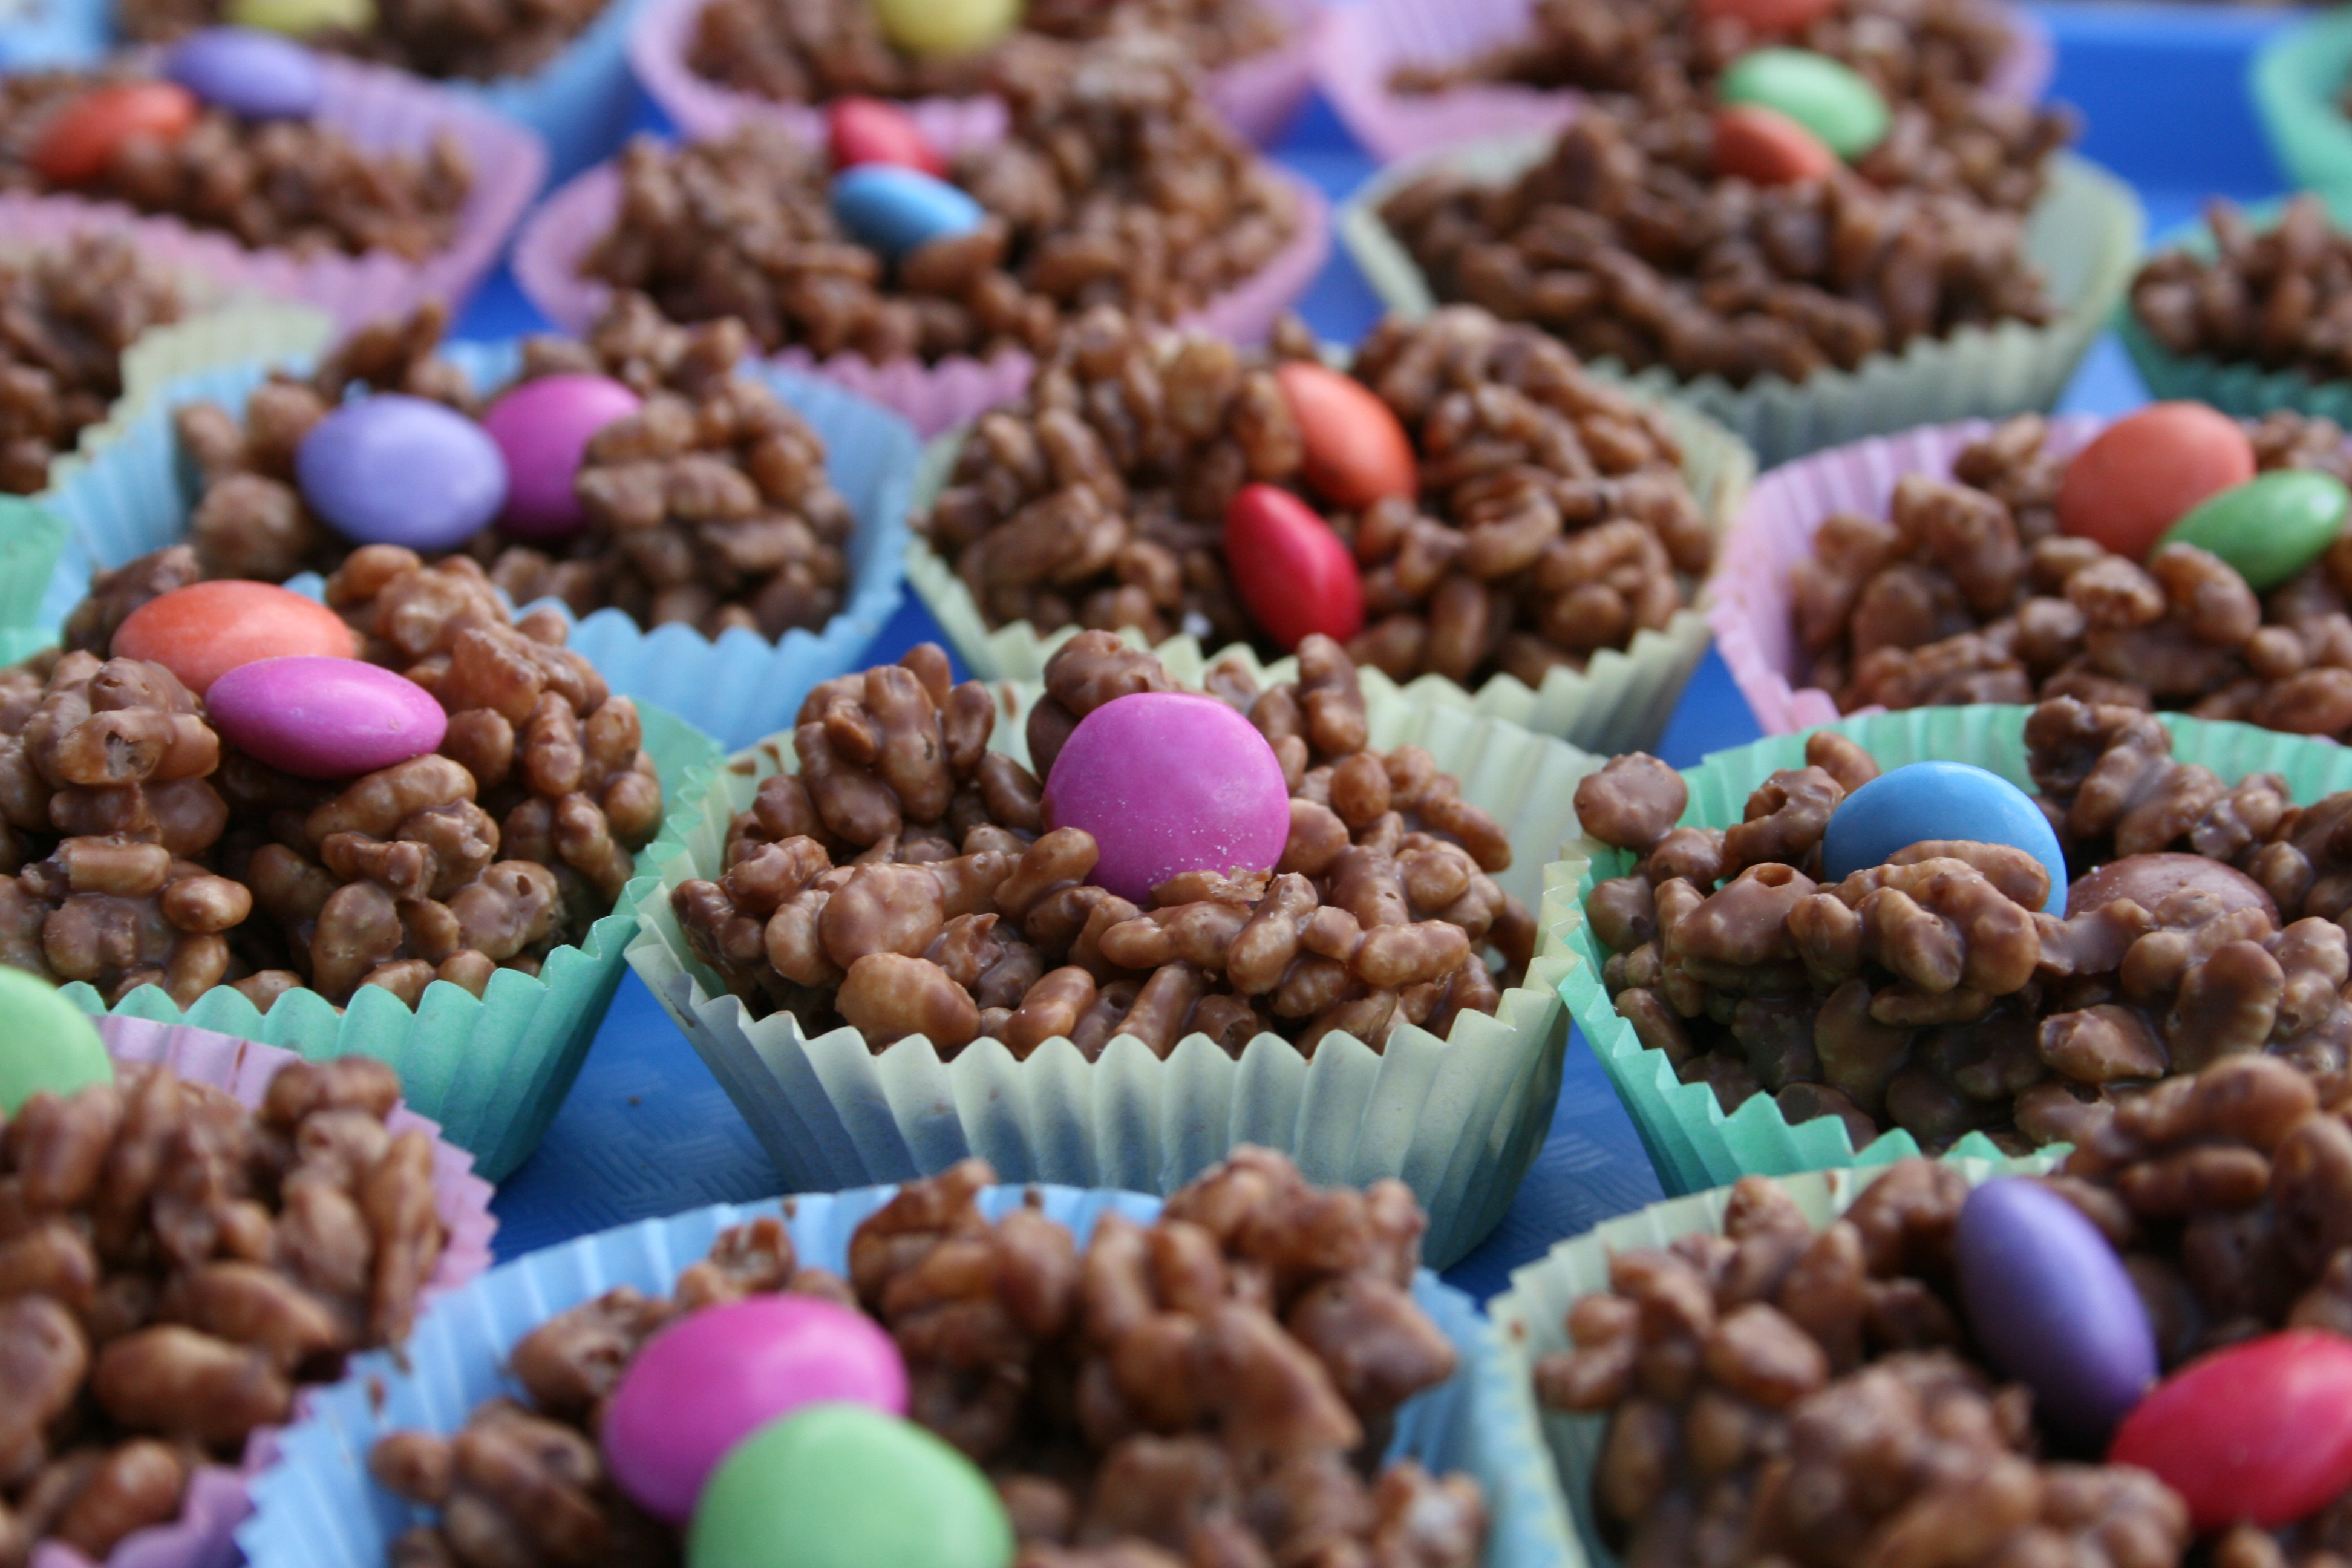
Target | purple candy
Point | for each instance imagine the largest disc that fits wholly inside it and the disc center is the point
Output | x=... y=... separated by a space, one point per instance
x=250 y=73
x=2052 y=1307
x=542 y=428
x=395 y=470
x=324 y=718
x=1169 y=783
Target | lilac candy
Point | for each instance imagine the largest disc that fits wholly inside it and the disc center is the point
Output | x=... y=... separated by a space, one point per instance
x=396 y=469
x=324 y=718
x=250 y=73
x=1169 y=783
x=542 y=428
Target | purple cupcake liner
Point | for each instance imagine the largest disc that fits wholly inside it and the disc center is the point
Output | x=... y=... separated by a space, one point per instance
x=1361 y=44
x=382 y=110
x=1748 y=598
x=932 y=397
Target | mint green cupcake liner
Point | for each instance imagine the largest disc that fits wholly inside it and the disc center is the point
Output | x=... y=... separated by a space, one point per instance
x=2084 y=235
x=2295 y=79
x=1693 y=1144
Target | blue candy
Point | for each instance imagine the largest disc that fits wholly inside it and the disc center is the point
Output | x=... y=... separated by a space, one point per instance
x=248 y=73
x=893 y=209
x=1938 y=800
x=395 y=470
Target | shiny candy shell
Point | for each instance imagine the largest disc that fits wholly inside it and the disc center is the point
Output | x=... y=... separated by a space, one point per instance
x=1356 y=449
x=324 y=718
x=870 y=130
x=1169 y=783
x=249 y=72
x=302 y=18
x=47 y=1043
x=1833 y=101
x=541 y=428
x=2259 y=1432
x=1931 y=800
x=946 y=26
x=2270 y=527
x=1776 y=17
x=892 y=210
x=205 y=630
x=1295 y=575
x=2144 y=473
x=1765 y=147
x=396 y=469
x=80 y=138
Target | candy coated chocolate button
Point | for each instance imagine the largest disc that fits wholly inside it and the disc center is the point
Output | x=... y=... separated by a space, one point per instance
x=1170 y=783
x=2259 y=1432
x=1938 y=800
x=301 y=18
x=2141 y=474
x=324 y=718
x=2052 y=1305
x=711 y=1380
x=1833 y=101
x=249 y=72
x=1291 y=570
x=892 y=209
x=396 y=469
x=946 y=26
x=1356 y=451
x=1765 y=147
x=47 y=1043
x=541 y=429
x=80 y=139
x=2148 y=880
x=870 y=131
x=1770 y=16
x=205 y=630
x=2270 y=527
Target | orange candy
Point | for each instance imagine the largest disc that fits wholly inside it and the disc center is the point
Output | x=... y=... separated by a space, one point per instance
x=79 y=142
x=2146 y=471
x=205 y=630
x=1768 y=16
x=1355 y=450
x=1291 y=570
x=1765 y=147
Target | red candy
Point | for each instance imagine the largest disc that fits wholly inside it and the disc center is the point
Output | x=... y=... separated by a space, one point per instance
x=2146 y=471
x=2261 y=1431
x=79 y=142
x=1293 y=571
x=205 y=630
x=1357 y=452
x=1768 y=16
x=868 y=131
x=1765 y=147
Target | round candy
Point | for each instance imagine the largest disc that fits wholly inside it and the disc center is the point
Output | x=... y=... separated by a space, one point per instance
x=870 y=130
x=1170 y=783
x=1765 y=147
x=324 y=718
x=1833 y=101
x=259 y=75
x=205 y=630
x=301 y=18
x=2052 y=1307
x=1356 y=449
x=47 y=1043
x=80 y=139
x=2259 y=1432
x=712 y=1379
x=946 y=26
x=2270 y=527
x=541 y=429
x=1938 y=800
x=396 y=469
x=1768 y=16
x=2143 y=472
x=2148 y=880
x=892 y=209
x=1296 y=576
x=841 y=1486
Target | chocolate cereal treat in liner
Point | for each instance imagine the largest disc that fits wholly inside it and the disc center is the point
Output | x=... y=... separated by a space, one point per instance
x=480 y=43
x=72 y=311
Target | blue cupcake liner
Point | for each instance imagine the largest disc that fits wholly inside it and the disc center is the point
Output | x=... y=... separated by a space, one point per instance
x=318 y=1507
x=134 y=498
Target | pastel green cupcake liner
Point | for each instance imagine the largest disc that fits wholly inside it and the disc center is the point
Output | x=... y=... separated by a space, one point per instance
x=2295 y=79
x=1691 y=1142
x=1459 y=1120
x=2084 y=235
x=1618 y=702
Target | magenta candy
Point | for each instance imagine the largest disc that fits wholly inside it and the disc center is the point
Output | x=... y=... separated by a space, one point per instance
x=320 y=717
x=709 y=1381
x=2259 y=1432
x=1169 y=783
x=541 y=428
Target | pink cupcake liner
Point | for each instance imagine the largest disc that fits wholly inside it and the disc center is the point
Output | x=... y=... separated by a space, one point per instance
x=216 y=1501
x=383 y=110
x=1361 y=46
x=934 y=398
x=1748 y=598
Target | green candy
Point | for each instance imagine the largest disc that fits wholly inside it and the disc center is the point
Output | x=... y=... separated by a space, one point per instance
x=844 y=1486
x=301 y=18
x=1830 y=100
x=45 y=1042
x=2270 y=527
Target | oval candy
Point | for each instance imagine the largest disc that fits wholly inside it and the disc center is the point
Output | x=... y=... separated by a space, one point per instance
x=1923 y=801
x=2270 y=527
x=249 y=72
x=2148 y=880
x=302 y=18
x=1765 y=147
x=892 y=209
x=1356 y=451
x=1768 y=17
x=205 y=630
x=2141 y=474
x=2260 y=1432
x=47 y=1045
x=870 y=130
x=1294 y=573
x=396 y=469
x=946 y=26
x=324 y=718
x=541 y=429
x=1833 y=101
x=80 y=139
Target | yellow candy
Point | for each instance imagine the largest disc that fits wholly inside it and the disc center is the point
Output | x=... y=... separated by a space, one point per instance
x=943 y=27
x=302 y=18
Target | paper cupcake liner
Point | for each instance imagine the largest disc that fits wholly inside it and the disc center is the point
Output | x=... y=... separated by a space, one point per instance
x=217 y=1496
x=1618 y=702
x=1363 y=45
x=932 y=397
x=737 y=687
x=1749 y=595
x=2084 y=235
x=1692 y=1143
x=319 y=1508
x=1458 y=1119
x=2295 y=80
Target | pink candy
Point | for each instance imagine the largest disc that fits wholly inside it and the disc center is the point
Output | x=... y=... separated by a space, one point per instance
x=320 y=718
x=541 y=428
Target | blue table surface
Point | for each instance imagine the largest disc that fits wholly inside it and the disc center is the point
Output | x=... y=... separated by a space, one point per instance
x=647 y=1130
